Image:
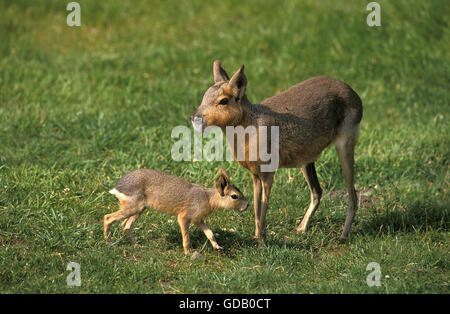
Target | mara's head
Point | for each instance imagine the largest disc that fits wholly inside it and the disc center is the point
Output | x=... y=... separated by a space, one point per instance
x=229 y=196
x=222 y=102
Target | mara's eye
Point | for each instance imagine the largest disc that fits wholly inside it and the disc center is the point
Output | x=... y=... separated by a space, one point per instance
x=223 y=101
x=234 y=196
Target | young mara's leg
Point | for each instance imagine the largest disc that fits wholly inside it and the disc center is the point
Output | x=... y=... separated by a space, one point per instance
x=184 y=225
x=123 y=213
x=209 y=234
x=123 y=224
x=128 y=208
x=127 y=225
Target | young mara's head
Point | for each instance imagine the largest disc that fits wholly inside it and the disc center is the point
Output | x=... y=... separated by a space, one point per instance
x=229 y=196
x=222 y=102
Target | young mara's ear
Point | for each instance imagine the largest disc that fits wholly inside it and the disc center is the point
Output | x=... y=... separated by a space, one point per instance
x=222 y=181
x=224 y=173
x=219 y=73
x=238 y=81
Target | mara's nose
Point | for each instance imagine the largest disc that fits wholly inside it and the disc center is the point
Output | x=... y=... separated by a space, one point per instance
x=197 y=122
x=195 y=115
x=245 y=206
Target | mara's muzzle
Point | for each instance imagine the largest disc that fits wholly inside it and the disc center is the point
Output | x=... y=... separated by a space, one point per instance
x=198 y=123
x=244 y=208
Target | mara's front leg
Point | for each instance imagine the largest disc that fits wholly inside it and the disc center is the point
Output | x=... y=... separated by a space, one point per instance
x=266 y=180
x=209 y=234
x=257 y=193
x=184 y=225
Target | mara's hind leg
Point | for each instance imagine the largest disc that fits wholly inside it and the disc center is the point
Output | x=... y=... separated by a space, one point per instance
x=127 y=224
x=124 y=223
x=345 y=148
x=309 y=172
x=109 y=219
x=128 y=208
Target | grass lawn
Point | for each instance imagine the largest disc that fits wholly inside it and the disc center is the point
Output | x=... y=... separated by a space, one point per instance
x=81 y=106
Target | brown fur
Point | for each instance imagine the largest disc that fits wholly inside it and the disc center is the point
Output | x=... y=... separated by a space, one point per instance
x=191 y=203
x=311 y=115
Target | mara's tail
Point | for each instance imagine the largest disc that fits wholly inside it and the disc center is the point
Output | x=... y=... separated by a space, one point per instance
x=118 y=194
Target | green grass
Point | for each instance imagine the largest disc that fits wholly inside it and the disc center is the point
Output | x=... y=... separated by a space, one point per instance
x=81 y=106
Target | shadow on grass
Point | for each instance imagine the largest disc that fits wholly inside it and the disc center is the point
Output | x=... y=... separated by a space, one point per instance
x=226 y=239
x=416 y=217
x=371 y=221
x=234 y=243
x=376 y=216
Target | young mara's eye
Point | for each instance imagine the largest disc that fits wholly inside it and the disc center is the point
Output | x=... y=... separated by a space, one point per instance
x=223 y=101
x=234 y=196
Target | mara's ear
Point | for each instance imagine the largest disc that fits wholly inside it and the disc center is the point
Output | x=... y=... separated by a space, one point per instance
x=222 y=181
x=239 y=82
x=219 y=73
